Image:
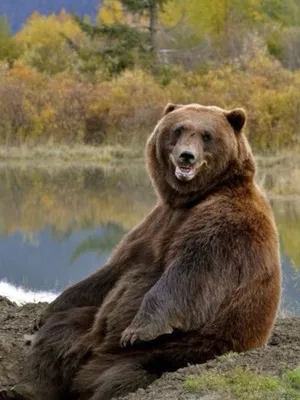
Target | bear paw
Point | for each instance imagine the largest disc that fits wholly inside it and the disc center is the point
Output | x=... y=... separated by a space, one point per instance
x=132 y=335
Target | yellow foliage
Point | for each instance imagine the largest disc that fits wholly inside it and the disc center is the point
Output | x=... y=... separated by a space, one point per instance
x=111 y=11
x=44 y=44
x=173 y=12
x=22 y=73
x=36 y=107
x=213 y=17
x=44 y=30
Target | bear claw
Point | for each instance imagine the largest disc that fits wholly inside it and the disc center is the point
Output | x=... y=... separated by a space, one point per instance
x=128 y=337
x=145 y=334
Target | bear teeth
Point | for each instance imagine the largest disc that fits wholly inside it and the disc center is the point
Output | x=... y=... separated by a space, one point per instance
x=185 y=169
x=184 y=173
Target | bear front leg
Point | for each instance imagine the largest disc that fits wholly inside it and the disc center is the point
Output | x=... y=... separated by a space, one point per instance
x=139 y=331
x=151 y=321
x=183 y=298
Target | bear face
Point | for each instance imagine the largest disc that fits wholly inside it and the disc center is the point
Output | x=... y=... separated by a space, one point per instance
x=193 y=148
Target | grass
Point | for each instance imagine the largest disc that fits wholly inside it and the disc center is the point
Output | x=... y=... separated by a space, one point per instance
x=277 y=175
x=243 y=384
x=105 y=153
x=66 y=154
x=287 y=158
x=293 y=378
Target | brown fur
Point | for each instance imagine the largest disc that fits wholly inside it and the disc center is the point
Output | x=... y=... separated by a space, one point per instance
x=198 y=277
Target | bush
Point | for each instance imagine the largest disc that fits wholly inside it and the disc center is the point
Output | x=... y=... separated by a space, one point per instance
x=37 y=108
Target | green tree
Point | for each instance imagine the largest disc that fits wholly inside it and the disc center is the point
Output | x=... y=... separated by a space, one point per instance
x=124 y=37
x=151 y=9
x=286 y=13
x=9 y=48
x=113 y=47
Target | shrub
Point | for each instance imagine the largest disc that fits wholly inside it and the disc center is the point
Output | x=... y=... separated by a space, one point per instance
x=67 y=108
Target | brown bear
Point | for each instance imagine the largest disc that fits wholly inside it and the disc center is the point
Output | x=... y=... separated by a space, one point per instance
x=198 y=277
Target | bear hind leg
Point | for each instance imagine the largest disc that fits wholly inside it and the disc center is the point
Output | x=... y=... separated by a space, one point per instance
x=56 y=354
x=121 y=379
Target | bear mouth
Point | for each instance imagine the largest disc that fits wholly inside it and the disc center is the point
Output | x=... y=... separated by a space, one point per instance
x=185 y=173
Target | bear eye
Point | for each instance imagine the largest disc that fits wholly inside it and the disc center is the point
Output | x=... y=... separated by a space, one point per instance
x=178 y=131
x=206 y=136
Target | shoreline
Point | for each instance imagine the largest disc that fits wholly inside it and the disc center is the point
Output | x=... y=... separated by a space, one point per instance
x=108 y=153
x=276 y=175
x=63 y=155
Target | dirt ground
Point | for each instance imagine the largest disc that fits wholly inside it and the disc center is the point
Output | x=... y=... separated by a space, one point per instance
x=281 y=353
x=15 y=322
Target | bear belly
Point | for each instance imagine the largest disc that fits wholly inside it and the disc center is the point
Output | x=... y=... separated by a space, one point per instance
x=122 y=304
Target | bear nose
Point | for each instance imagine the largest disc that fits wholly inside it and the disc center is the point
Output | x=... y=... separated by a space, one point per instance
x=187 y=157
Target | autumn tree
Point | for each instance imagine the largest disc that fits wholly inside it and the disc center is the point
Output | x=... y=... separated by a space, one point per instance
x=221 y=30
x=219 y=17
x=44 y=44
x=213 y=17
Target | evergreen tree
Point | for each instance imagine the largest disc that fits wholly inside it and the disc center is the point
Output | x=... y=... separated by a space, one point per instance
x=150 y=8
x=9 y=49
x=118 y=42
x=115 y=46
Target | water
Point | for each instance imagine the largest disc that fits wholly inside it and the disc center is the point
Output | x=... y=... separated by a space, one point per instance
x=57 y=225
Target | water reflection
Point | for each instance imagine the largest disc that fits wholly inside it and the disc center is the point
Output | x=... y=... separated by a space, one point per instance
x=58 y=225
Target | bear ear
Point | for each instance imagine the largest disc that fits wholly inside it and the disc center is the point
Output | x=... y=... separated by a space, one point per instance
x=236 y=118
x=171 y=107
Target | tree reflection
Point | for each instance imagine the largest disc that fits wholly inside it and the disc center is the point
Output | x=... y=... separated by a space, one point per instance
x=103 y=242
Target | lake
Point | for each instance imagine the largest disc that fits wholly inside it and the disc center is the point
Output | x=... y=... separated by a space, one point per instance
x=59 y=224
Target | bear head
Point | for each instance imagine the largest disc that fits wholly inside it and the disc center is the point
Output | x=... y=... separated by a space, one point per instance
x=194 y=149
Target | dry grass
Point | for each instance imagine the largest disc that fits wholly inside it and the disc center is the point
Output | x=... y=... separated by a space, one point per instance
x=63 y=154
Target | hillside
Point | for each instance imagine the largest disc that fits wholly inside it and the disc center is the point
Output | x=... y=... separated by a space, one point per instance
x=17 y=11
